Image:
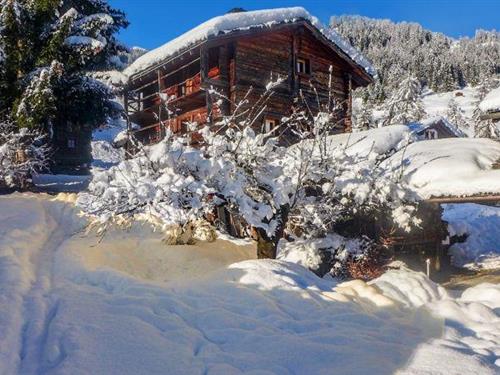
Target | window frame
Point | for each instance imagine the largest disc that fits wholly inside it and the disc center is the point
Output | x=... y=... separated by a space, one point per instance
x=305 y=63
x=430 y=134
x=273 y=123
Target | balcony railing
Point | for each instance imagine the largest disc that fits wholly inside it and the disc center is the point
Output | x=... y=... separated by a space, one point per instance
x=179 y=91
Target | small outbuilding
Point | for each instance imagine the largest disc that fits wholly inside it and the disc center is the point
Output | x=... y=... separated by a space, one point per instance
x=435 y=128
x=491 y=105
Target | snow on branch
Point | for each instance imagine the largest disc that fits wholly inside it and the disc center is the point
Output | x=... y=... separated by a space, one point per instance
x=23 y=152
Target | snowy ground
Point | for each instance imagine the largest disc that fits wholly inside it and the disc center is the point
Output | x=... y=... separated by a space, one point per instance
x=104 y=154
x=436 y=104
x=127 y=305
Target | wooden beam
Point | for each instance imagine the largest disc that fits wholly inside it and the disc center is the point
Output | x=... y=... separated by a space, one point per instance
x=294 y=52
x=474 y=199
x=491 y=116
x=204 y=80
x=167 y=74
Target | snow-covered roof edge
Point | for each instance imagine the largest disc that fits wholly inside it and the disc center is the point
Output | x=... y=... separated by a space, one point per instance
x=491 y=102
x=243 y=21
x=428 y=122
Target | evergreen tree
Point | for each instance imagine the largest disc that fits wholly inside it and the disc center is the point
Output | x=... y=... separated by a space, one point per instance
x=363 y=118
x=437 y=61
x=405 y=105
x=456 y=115
x=50 y=48
x=11 y=41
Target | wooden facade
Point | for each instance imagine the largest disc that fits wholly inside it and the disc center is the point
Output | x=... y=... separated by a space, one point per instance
x=233 y=63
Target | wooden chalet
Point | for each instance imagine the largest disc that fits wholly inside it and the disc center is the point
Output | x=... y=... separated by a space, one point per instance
x=236 y=52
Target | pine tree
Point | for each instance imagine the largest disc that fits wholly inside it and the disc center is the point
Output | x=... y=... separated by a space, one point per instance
x=363 y=119
x=11 y=19
x=456 y=115
x=49 y=50
x=437 y=61
x=406 y=104
x=77 y=36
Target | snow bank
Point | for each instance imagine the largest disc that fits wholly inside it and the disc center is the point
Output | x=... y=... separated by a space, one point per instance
x=413 y=289
x=449 y=167
x=104 y=154
x=62 y=314
x=491 y=102
x=481 y=225
x=486 y=293
x=243 y=21
x=372 y=142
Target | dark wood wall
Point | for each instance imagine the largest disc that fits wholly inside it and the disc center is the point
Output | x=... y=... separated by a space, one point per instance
x=262 y=57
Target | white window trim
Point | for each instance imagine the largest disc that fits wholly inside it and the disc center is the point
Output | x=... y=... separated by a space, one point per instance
x=269 y=124
x=431 y=134
x=301 y=65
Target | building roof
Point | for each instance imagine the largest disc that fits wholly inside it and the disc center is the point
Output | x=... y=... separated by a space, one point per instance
x=419 y=127
x=451 y=167
x=231 y=22
x=491 y=102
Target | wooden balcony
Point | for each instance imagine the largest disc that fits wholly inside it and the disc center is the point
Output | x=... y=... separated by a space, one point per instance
x=178 y=93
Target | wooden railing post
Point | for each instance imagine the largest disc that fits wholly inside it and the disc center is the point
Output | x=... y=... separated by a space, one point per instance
x=204 y=79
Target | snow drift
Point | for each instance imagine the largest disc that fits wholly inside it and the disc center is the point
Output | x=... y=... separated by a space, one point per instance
x=62 y=316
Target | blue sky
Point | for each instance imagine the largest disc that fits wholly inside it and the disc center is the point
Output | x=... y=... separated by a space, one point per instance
x=154 y=22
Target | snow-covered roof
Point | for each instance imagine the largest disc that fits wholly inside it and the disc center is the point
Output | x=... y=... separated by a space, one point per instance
x=243 y=21
x=452 y=167
x=491 y=102
x=364 y=144
x=377 y=141
x=417 y=127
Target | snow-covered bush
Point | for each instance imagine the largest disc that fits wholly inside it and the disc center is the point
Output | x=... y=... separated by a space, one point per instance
x=178 y=184
x=22 y=153
x=305 y=192
x=336 y=189
x=335 y=255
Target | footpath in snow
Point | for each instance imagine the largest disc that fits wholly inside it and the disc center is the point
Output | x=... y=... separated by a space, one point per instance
x=72 y=305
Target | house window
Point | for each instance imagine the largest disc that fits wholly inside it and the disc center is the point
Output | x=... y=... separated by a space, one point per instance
x=303 y=66
x=431 y=134
x=269 y=124
x=71 y=143
x=181 y=90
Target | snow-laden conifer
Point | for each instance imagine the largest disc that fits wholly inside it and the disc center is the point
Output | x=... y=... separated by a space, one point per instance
x=405 y=105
